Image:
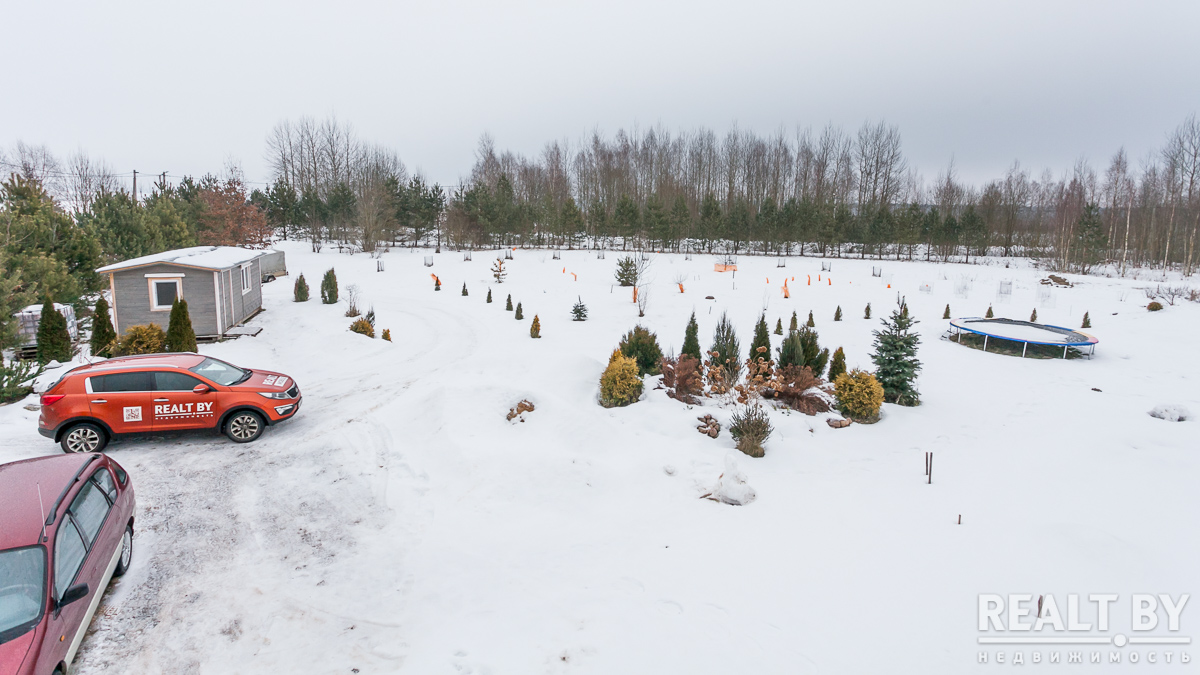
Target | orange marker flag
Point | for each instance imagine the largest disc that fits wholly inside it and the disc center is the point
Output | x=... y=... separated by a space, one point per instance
x=564 y=270
x=680 y=288
x=818 y=277
x=768 y=280
x=889 y=285
x=810 y=280
x=830 y=281
x=576 y=276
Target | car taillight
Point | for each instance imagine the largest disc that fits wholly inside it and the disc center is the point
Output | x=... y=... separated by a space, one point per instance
x=51 y=399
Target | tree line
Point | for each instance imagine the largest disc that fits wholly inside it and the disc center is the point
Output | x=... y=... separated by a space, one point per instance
x=829 y=193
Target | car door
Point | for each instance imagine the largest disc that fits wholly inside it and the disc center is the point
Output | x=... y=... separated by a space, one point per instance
x=178 y=406
x=124 y=400
x=100 y=535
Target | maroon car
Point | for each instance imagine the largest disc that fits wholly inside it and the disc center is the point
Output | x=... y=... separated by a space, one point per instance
x=66 y=530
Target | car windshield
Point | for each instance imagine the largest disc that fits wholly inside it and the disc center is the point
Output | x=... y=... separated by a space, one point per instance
x=22 y=590
x=220 y=372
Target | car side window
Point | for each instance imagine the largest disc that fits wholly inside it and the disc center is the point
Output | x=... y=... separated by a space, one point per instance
x=69 y=553
x=172 y=381
x=120 y=382
x=104 y=479
x=89 y=510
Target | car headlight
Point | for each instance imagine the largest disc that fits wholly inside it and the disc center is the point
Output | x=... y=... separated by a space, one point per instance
x=274 y=394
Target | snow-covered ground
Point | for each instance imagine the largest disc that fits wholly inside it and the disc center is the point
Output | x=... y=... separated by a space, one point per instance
x=400 y=523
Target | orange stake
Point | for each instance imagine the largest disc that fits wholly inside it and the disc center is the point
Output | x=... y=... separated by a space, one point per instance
x=680 y=288
x=576 y=276
x=830 y=281
x=564 y=270
x=810 y=280
x=635 y=293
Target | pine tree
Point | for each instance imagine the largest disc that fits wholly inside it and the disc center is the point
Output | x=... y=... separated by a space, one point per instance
x=300 y=290
x=867 y=312
x=103 y=334
x=762 y=338
x=498 y=271
x=728 y=349
x=802 y=348
x=519 y=315
x=535 y=329
x=627 y=271
x=1033 y=317
x=329 y=288
x=579 y=311
x=946 y=314
x=838 y=365
x=465 y=289
x=691 y=339
x=779 y=326
x=489 y=297
x=53 y=339
x=387 y=334
x=837 y=315
x=508 y=303
x=795 y=323
x=810 y=323
x=1087 y=321
x=180 y=336
x=990 y=314
x=895 y=358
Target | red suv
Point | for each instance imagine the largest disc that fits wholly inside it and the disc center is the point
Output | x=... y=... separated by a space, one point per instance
x=67 y=530
x=153 y=393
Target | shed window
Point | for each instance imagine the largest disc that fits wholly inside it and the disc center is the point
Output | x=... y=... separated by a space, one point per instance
x=245 y=279
x=164 y=293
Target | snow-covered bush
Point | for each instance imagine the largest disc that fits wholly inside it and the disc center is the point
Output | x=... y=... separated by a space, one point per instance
x=750 y=428
x=859 y=396
x=731 y=487
x=642 y=346
x=1171 y=412
x=620 y=384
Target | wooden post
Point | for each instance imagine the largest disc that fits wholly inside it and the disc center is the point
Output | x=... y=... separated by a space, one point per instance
x=930 y=480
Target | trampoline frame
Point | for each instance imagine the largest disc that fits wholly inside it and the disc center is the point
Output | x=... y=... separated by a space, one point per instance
x=1090 y=342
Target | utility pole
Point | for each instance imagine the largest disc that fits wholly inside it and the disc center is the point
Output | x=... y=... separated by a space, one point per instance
x=135 y=186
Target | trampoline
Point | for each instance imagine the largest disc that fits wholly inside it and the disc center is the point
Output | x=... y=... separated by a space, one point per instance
x=1026 y=333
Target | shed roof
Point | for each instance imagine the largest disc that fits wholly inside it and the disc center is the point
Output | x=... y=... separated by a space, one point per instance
x=203 y=257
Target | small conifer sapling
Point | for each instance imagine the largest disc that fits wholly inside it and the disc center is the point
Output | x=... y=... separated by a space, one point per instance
x=535 y=329
x=838 y=365
x=489 y=296
x=795 y=325
x=579 y=310
x=519 y=315
x=300 y=290
x=508 y=303
x=387 y=334
x=53 y=338
x=867 y=311
x=837 y=315
x=811 y=323
x=1087 y=321
x=180 y=335
x=990 y=314
x=465 y=289
x=946 y=314
x=1033 y=316
x=779 y=326
x=691 y=339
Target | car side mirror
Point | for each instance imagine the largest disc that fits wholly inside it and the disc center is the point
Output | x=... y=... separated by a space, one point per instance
x=73 y=593
x=201 y=389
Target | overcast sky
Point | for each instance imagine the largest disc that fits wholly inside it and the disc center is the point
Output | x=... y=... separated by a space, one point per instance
x=181 y=87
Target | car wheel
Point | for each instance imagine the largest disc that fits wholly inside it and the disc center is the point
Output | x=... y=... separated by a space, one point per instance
x=84 y=437
x=244 y=426
x=126 y=552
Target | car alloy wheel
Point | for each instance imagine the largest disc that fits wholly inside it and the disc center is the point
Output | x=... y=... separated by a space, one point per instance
x=126 y=552
x=244 y=427
x=82 y=439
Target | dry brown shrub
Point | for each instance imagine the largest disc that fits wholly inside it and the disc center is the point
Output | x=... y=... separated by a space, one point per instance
x=684 y=380
x=795 y=390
